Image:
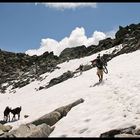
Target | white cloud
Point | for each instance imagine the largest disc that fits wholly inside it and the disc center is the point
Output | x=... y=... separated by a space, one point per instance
x=76 y=38
x=96 y=37
x=68 y=5
x=112 y=33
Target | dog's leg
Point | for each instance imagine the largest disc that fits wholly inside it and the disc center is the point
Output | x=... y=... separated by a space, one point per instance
x=18 y=116
x=13 y=117
x=6 y=118
x=9 y=117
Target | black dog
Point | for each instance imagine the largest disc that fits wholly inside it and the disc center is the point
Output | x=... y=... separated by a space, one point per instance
x=16 y=111
x=7 y=114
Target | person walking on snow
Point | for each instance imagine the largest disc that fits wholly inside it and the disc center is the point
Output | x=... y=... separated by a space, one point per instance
x=99 y=64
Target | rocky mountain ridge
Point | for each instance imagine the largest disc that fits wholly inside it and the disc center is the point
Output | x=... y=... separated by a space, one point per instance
x=19 y=69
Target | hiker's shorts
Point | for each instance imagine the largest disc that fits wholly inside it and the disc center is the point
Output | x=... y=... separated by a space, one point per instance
x=99 y=71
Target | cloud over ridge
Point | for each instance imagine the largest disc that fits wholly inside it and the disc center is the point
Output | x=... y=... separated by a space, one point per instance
x=76 y=38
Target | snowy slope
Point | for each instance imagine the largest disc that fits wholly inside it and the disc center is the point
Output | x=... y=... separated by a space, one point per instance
x=113 y=104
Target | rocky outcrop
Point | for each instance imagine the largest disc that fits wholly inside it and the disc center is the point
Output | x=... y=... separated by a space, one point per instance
x=72 y=53
x=103 y=45
x=19 y=69
x=129 y=36
x=82 y=51
x=65 y=76
x=60 y=79
x=2 y=122
x=30 y=130
x=4 y=129
x=54 y=116
x=131 y=131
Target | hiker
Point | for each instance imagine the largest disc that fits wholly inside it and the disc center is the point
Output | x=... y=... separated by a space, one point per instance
x=80 y=68
x=99 y=64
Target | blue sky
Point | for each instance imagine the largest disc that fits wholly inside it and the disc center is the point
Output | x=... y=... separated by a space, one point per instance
x=24 y=25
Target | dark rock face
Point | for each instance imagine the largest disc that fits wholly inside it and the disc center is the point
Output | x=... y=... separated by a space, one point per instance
x=72 y=53
x=122 y=132
x=121 y=33
x=103 y=45
x=60 y=79
x=19 y=69
x=129 y=37
x=81 y=51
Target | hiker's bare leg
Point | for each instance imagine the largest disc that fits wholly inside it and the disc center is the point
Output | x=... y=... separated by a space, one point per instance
x=99 y=76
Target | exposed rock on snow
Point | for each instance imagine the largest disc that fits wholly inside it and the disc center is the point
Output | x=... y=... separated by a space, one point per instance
x=54 y=116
